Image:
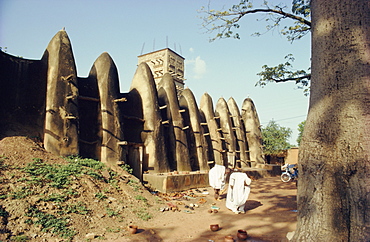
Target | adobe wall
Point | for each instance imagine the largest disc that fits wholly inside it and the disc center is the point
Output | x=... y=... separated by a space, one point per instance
x=150 y=127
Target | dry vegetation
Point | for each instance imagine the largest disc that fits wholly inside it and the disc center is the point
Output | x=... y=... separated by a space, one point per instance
x=43 y=196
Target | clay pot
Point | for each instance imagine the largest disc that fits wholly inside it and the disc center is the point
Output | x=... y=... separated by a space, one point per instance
x=132 y=229
x=242 y=234
x=229 y=238
x=214 y=227
x=175 y=172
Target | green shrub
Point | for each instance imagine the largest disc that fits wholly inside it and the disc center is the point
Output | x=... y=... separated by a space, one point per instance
x=111 y=212
x=78 y=208
x=3 y=212
x=19 y=238
x=127 y=168
x=134 y=184
x=143 y=214
x=51 y=223
x=100 y=196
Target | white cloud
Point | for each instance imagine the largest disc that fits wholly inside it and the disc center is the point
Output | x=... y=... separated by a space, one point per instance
x=197 y=67
x=191 y=50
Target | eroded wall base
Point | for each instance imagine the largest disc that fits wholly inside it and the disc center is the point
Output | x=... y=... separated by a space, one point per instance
x=165 y=183
x=170 y=182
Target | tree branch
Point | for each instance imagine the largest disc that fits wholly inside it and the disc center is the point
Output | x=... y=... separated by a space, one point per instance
x=268 y=10
x=308 y=76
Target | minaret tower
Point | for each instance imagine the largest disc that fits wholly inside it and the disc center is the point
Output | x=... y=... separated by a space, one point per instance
x=166 y=61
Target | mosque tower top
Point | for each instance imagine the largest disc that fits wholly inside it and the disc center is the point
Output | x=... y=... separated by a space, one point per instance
x=165 y=61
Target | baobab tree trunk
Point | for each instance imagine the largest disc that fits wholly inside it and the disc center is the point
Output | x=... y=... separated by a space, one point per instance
x=334 y=185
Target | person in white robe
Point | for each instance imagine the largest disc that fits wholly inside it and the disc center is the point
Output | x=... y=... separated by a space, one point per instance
x=216 y=177
x=238 y=191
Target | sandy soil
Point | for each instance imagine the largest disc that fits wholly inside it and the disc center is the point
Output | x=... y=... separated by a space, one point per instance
x=270 y=215
x=270 y=209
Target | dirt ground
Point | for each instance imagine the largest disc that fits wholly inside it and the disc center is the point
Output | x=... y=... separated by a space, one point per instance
x=270 y=215
x=270 y=209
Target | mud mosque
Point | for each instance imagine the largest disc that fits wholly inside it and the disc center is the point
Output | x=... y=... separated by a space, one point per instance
x=157 y=127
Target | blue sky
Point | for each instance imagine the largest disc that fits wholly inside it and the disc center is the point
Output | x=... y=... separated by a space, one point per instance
x=128 y=28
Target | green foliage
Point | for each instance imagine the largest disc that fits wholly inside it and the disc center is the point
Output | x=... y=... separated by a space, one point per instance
x=139 y=197
x=113 y=181
x=127 y=168
x=4 y=49
x=143 y=214
x=3 y=212
x=43 y=174
x=275 y=138
x=134 y=184
x=20 y=238
x=113 y=230
x=55 y=197
x=21 y=192
x=51 y=223
x=78 y=208
x=59 y=176
x=94 y=164
x=111 y=212
x=301 y=7
x=300 y=130
x=285 y=72
x=56 y=175
x=100 y=196
x=227 y=22
x=2 y=165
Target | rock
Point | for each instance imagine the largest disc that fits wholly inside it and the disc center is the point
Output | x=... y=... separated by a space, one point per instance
x=290 y=235
x=90 y=236
x=112 y=199
x=106 y=174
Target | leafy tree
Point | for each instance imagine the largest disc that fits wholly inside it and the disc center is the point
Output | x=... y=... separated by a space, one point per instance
x=227 y=22
x=275 y=138
x=300 y=130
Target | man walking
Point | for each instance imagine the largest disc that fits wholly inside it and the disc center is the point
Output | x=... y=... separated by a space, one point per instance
x=238 y=192
x=217 y=179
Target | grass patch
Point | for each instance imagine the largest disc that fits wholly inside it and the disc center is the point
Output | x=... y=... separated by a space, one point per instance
x=143 y=214
x=2 y=161
x=3 y=212
x=60 y=176
x=134 y=184
x=51 y=223
x=139 y=197
x=127 y=168
x=78 y=208
x=20 y=238
x=21 y=192
x=111 y=212
x=100 y=196
x=113 y=230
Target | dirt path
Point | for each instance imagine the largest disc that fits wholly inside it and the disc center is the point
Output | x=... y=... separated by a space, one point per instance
x=270 y=211
x=270 y=215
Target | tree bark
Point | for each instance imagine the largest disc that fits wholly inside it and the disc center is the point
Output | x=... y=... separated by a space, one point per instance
x=334 y=185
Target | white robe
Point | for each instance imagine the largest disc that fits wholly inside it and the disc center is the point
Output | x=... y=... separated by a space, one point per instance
x=216 y=177
x=238 y=193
